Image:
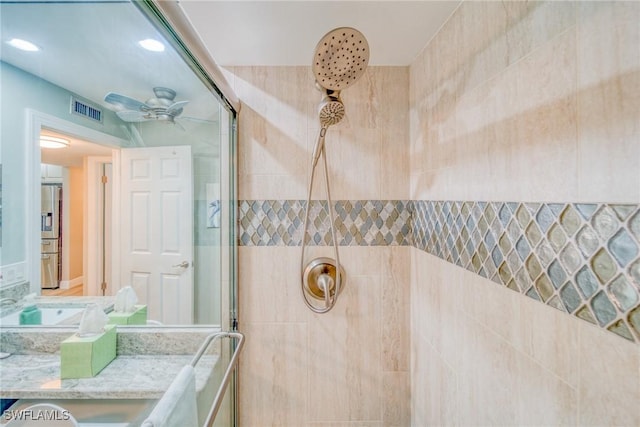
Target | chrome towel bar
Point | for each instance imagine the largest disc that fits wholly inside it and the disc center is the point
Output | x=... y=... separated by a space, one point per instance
x=215 y=406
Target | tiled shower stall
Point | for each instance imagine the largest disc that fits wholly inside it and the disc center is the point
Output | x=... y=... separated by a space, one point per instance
x=487 y=200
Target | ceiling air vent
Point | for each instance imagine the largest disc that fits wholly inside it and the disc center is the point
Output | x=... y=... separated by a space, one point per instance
x=82 y=108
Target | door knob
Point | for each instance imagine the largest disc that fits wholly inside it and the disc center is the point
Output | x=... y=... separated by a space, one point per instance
x=183 y=264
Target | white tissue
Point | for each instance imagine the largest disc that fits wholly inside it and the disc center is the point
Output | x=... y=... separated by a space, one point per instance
x=93 y=321
x=29 y=300
x=126 y=299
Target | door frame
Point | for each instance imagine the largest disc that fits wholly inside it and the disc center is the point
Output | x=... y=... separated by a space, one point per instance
x=35 y=122
x=93 y=219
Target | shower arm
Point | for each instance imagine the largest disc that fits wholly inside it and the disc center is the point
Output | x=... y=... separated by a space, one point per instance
x=320 y=151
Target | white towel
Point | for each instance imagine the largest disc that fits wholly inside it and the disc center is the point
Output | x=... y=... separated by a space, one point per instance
x=177 y=407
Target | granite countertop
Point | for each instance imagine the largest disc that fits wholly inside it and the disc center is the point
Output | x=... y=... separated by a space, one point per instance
x=148 y=359
x=105 y=302
x=126 y=377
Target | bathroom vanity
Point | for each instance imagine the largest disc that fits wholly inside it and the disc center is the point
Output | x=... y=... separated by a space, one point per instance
x=123 y=393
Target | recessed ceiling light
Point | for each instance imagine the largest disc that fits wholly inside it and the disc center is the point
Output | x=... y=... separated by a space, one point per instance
x=152 y=45
x=53 y=142
x=23 y=45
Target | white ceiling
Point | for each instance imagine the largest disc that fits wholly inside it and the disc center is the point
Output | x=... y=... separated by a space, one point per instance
x=90 y=48
x=286 y=32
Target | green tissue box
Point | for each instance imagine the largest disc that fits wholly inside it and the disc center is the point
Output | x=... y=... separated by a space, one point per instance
x=86 y=357
x=137 y=317
x=31 y=315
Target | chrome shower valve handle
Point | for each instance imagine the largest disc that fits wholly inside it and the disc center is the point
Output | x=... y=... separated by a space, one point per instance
x=326 y=282
x=320 y=281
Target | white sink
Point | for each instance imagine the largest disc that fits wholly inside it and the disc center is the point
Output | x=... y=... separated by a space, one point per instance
x=50 y=315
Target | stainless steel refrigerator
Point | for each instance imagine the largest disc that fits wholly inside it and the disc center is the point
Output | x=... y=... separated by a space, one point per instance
x=51 y=234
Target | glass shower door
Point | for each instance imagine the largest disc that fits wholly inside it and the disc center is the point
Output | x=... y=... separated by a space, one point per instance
x=95 y=79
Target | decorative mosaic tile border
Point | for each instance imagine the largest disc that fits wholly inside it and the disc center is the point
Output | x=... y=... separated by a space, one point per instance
x=358 y=223
x=582 y=259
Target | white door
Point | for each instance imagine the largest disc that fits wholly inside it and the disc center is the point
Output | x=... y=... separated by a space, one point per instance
x=156 y=230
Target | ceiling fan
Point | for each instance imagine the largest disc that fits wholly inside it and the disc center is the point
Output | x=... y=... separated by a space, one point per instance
x=161 y=108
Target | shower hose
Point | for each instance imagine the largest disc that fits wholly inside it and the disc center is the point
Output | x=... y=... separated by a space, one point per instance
x=319 y=151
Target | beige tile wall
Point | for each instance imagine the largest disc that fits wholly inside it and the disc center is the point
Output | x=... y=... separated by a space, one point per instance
x=510 y=101
x=483 y=355
x=349 y=367
x=517 y=101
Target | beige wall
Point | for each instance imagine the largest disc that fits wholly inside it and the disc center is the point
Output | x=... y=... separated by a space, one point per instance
x=516 y=101
x=349 y=367
x=76 y=206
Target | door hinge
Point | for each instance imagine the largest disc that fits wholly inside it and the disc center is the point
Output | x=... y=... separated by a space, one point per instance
x=105 y=179
x=233 y=320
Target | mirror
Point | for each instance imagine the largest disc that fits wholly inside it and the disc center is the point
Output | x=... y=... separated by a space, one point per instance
x=138 y=191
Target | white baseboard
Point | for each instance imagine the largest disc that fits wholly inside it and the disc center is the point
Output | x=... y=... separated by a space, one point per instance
x=68 y=284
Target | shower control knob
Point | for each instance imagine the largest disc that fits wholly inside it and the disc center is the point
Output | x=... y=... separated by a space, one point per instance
x=320 y=276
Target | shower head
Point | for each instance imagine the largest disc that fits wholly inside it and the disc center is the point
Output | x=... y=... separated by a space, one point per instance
x=331 y=110
x=340 y=58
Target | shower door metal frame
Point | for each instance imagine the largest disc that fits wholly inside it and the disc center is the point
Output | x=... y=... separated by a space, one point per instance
x=170 y=20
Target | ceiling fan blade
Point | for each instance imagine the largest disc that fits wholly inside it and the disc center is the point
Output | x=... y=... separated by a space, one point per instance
x=176 y=107
x=133 y=116
x=122 y=102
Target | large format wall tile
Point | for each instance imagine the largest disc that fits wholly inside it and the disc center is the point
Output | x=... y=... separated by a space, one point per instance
x=345 y=373
x=348 y=360
x=544 y=97
x=582 y=376
x=368 y=161
x=273 y=375
x=529 y=102
x=610 y=380
x=609 y=100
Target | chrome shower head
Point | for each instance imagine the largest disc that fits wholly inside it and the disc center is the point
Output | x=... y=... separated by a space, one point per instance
x=331 y=110
x=340 y=58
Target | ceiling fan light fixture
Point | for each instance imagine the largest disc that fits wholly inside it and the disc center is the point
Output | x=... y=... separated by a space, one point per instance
x=25 y=45
x=53 y=142
x=152 y=45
